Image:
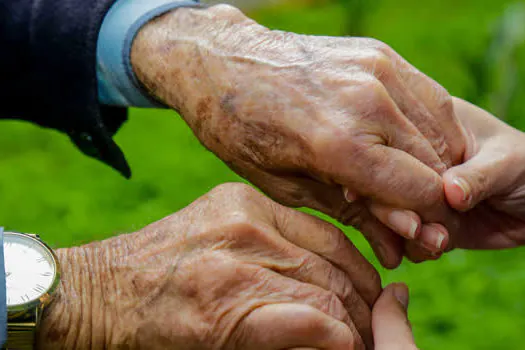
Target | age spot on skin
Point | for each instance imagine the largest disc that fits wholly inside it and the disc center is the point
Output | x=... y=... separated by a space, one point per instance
x=203 y=113
x=227 y=105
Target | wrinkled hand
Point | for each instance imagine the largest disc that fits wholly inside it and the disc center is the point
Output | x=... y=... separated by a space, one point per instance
x=334 y=124
x=392 y=329
x=234 y=270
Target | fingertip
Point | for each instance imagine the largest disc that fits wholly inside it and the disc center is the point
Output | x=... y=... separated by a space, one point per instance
x=389 y=253
x=405 y=223
x=390 y=322
x=457 y=192
x=416 y=252
x=442 y=238
x=394 y=300
x=349 y=195
x=400 y=291
x=434 y=238
x=392 y=262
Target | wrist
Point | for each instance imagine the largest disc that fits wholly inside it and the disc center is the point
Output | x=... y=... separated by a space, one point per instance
x=172 y=56
x=74 y=318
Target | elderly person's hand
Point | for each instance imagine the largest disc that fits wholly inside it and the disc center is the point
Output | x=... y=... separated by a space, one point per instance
x=334 y=124
x=390 y=323
x=234 y=270
x=489 y=187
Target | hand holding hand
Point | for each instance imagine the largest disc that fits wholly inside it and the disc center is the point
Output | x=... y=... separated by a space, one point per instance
x=488 y=189
x=334 y=124
x=234 y=270
x=392 y=329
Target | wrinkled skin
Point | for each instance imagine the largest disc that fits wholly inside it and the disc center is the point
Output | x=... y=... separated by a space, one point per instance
x=309 y=119
x=490 y=193
x=234 y=270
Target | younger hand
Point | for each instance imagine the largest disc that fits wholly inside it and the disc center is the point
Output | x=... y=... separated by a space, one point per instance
x=488 y=189
x=390 y=324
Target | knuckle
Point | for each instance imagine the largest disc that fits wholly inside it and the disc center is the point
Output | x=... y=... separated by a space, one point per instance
x=241 y=227
x=232 y=188
x=328 y=143
x=333 y=241
x=432 y=194
x=375 y=89
x=307 y=263
x=445 y=102
x=237 y=195
x=348 y=292
x=376 y=101
x=332 y=305
x=378 y=63
x=375 y=285
x=336 y=240
x=376 y=44
x=225 y=9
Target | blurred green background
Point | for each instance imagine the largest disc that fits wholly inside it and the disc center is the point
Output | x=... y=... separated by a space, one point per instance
x=467 y=300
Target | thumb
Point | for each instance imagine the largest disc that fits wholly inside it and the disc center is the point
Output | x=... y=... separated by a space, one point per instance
x=389 y=320
x=490 y=172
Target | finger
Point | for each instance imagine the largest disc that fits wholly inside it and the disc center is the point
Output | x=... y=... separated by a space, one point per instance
x=417 y=252
x=396 y=179
x=281 y=326
x=327 y=241
x=425 y=102
x=490 y=172
x=270 y=287
x=430 y=108
x=434 y=237
x=404 y=222
x=329 y=199
x=427 y=239
x=380 y=118
x=392 y=329
x=298 y=191
x=387 y=245
x=314 y=270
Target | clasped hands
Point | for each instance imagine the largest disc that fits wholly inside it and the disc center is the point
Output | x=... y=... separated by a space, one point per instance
x=341 y=125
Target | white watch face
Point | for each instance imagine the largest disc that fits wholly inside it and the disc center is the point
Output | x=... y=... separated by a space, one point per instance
x=30 y=269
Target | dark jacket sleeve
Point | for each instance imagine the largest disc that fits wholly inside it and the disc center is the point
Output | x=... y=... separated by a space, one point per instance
x=48 y=72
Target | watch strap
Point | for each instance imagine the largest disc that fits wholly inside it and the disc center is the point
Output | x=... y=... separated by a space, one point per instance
x=21 y=331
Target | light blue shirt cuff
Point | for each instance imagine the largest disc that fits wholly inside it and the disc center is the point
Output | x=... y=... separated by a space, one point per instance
x=3 y=292
x=117 y=83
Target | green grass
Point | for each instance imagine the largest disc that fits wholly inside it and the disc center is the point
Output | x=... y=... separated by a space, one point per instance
x=467 y=300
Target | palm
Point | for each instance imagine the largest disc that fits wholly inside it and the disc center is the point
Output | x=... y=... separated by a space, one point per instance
x=493 y=224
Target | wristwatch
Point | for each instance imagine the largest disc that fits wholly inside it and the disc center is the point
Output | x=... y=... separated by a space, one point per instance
x=32 y=276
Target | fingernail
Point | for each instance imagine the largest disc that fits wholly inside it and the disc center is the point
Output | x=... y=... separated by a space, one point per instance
x=465 y=189
x=403 y=222
x=440 y=239
x=432 y=238
x=401 y=294
x=349 y=196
